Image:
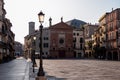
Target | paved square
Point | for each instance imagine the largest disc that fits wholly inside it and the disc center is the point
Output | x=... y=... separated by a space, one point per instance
x=71 y=69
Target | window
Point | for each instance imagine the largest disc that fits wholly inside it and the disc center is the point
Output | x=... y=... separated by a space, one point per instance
x=1 y=50
x=45 y=38
x=81 y=47
x=119 y=31
x=74 y=34
x=81 y=40
x=119 y=41
x=0 y=38
x=77 y=34
x=86 y=32
x=3 y=30
x=0 y=28
x=45 y=45
x=74 y=39
x=118 y=24
x=61 y=41
x=69 y=49
x=46 y=53
x=74 y=45
x=53 y=48
x=106 y=36
x=116 y=34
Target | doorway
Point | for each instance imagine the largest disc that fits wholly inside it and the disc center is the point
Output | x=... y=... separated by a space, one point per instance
x=62 y=54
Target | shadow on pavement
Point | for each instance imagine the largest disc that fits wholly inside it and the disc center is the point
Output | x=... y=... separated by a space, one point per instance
x=49 y=77
x=54 y=78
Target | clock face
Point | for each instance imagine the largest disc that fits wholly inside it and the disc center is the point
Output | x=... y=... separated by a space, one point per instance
x=61 y=41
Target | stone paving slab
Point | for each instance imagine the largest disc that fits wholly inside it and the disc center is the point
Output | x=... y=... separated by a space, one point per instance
x=81 y=69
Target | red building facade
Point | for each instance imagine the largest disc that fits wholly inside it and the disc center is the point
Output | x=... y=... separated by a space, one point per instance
x=112 y=26
x=61 y=41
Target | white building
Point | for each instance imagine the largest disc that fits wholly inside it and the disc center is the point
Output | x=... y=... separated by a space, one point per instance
x=46 y=42
x=78 y=43
x=29 y=41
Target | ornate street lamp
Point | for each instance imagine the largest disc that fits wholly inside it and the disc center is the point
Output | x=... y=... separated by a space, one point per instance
x=41 y=74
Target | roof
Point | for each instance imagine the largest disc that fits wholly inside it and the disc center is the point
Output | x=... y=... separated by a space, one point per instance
x=103 y=16
x=60 y=25
x=16 y=42
x=75 y=23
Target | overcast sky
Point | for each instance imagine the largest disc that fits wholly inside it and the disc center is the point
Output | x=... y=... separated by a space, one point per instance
x=20 y=12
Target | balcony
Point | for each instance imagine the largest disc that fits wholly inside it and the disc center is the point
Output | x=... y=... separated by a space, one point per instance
x=3 y=44
x=10 y=46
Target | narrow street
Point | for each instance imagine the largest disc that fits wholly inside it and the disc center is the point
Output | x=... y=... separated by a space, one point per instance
x=81 y=69
x=14 y=70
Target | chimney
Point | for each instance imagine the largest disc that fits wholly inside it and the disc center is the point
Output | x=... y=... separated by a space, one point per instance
x=61 y=19
x=112 y=9
x=50 y=21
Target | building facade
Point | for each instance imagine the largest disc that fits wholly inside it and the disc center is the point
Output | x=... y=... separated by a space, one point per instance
x=89 y=30
x=99 y=43
x=113 y=24
x=101 y=38
x=18 y=48
x=78 y=35
x=28 y=40
x=106 y=37
x=6 y=36
x=78 y=43
x=27 y=47
x=32 y=42
x=9 y=39
x=61 y=41
x=46 y=42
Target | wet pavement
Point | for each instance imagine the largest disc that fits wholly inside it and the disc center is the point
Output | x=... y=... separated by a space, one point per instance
x=81 y=69
x=17 y=69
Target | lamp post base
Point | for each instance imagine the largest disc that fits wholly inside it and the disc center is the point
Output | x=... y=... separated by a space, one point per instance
x=41 y=78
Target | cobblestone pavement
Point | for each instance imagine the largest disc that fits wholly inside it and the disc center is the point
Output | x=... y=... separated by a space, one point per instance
x=81 y=69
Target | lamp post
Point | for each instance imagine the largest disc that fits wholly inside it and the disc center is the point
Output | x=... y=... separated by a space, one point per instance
x=41 y=74
x=34 y=63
